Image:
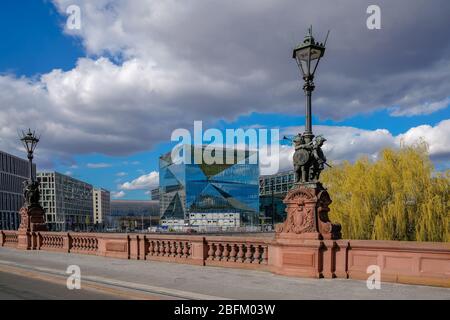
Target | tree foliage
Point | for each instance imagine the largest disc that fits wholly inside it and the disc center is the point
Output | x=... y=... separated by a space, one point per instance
x=398 y=197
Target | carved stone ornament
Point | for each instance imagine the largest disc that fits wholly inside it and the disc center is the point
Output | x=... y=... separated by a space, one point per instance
x=307 y=213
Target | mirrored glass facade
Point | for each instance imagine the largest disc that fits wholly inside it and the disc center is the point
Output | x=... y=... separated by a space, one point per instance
x=188 y=188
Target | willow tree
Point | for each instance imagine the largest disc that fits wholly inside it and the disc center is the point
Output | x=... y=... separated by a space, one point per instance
x=398 y=197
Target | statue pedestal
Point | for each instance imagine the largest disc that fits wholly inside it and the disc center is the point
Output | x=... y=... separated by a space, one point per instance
x=307 y=207
x=300 y=241
x=31 y=221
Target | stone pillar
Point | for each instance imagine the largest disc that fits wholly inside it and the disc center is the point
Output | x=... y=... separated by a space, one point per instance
x=198 y=250
x=341 y=256
x=67 y=242
x=31 y=221
x=304 y=243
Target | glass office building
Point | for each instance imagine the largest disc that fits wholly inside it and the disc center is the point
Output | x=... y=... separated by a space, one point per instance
x=68 y=202
x=128 y=215
x=272 y=191
x=189 y=188
x=13 y=172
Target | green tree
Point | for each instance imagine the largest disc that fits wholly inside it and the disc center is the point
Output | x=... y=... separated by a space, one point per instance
x=398 y=197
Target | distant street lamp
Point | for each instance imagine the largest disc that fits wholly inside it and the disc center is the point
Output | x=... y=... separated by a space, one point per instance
x=30 y=141
x=308 y=55
x=31 y=214
x=272 y=189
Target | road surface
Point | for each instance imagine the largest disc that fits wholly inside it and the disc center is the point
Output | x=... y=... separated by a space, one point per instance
x=16 y=287
x=161 y=280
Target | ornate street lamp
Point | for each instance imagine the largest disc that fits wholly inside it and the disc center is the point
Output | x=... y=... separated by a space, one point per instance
x=308 y=55
x=30 y=141
x=307 y=203
x=31 y=214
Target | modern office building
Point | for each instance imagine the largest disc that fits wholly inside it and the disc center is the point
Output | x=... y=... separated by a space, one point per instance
x=101 y=204
x=205 y=220
x=155 y=194
x=68 y=202
x=133 y=214
x=272 y=190
x=13 y=172
x=191 y=192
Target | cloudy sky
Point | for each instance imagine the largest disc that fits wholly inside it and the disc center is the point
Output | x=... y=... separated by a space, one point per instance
x=107 y=97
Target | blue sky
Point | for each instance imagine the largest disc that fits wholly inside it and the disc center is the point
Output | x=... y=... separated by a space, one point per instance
x=35 y=44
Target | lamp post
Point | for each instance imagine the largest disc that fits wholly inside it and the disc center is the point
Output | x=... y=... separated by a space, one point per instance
x=31 y=214
x=307 y=203
x=272 y=189
x=30 y=141
x=308 y=55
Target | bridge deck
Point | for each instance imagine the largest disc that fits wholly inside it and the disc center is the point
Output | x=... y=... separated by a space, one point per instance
x=193 y=282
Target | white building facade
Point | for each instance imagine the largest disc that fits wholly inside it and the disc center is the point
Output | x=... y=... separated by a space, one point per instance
x=101 y=204
x=68 y=202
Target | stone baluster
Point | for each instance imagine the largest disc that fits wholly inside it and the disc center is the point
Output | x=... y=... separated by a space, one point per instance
x=179 y=252
x=155 y=248
x=248 y=253
x=150 y=248
x=211 y=251
x=240 y=254
x=225 y=252
x=233 y=253
x=173 y=248
x=264 y=255
x=186 y=249
x=160 y=248
x=167 y=249
x=257 y=254
x=218 y=252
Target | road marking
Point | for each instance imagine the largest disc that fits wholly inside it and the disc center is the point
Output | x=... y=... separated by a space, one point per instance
x=98 y=282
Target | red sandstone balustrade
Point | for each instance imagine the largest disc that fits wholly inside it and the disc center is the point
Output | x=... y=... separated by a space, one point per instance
x=84 y=243
x=405 y=262
x=169 y=248
x=237 y=252
x=9 y=238
x=51 y=241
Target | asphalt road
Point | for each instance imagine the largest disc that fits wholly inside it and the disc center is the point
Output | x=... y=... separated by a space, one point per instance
x=16 y=287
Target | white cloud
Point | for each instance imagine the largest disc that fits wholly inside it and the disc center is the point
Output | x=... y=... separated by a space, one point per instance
x=437 y=137
x=349 y=143
x=143 y=182
x=424 y=108
x=121 y=174
x=100 y=165
x=180 y=61
x=118 y=194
